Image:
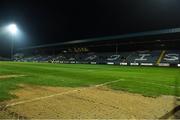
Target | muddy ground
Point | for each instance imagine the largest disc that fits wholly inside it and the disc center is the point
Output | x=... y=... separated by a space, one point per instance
x=85 y=103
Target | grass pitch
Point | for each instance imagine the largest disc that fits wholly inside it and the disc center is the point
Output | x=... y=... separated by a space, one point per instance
x=148 y=81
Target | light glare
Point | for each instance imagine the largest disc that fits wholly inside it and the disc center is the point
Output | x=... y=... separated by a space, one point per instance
x=12 y=28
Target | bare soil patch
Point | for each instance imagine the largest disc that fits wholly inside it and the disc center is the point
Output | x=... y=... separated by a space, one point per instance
x=89 y=103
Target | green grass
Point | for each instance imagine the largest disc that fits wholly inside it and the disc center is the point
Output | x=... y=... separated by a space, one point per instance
x=148 y=81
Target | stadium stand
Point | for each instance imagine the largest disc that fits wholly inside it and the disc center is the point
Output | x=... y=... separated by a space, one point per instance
x=150 y=48
x=170 y=58
x=143 y=58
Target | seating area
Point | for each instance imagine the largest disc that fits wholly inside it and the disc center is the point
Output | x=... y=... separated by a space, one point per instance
x=171 y=57
x=145 y=58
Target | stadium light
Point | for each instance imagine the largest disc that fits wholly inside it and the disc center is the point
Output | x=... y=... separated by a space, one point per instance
x=12 y=29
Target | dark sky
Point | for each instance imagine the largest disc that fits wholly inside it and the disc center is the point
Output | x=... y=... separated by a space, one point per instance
x=62 y=20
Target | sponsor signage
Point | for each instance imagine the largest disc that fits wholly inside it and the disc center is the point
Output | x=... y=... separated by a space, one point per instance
x=164 y=64
x=147 y=64
x=123 y=63
x=72 y=62
x=93 y=62
x=110 y=63
x=61 y=62
x=134 y=64
x=178 y=65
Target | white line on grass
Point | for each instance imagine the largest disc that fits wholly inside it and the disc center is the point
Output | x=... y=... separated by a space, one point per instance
x=59 y=94
x=10 y=76
x=106 y=83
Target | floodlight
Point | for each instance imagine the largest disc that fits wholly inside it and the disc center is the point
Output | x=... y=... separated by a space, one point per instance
x=12 y=28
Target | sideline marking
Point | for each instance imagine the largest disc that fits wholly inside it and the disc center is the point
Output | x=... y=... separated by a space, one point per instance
x=59 y=94
x=10 y=76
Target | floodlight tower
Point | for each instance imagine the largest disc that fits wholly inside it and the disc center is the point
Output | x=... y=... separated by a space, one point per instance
x=12 y=28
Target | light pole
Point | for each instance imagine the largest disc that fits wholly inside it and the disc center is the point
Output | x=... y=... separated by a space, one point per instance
x=12 y=28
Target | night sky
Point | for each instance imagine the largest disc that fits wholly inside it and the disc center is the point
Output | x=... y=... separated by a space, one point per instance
x=52 y=21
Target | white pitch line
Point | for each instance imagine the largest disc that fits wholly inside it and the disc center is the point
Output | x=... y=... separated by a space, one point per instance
x=59 y=94
x=106 y=83
x=40 y=98
x=10 y=76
